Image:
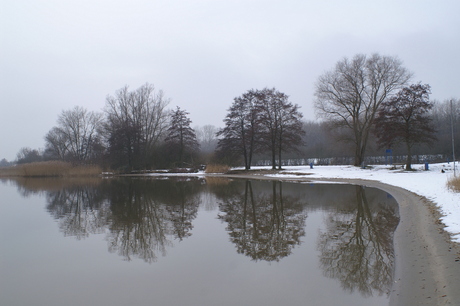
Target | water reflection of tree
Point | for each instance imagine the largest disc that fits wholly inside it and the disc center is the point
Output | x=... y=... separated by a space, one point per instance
x=79 y=209
x=264 y=227
x=358 y=249
x=140 y=216
x=182 y=201
x=146 y=216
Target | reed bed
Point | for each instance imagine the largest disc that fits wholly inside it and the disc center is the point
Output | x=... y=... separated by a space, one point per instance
x=454 y=184
x=217 y=181
x=51 y=169
x=215 y=168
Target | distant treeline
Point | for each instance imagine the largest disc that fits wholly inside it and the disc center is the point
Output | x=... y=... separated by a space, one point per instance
x=135 y=131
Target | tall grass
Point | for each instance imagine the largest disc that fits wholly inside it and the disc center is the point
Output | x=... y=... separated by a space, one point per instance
x=454 y=184
x=214 y=168
x=50 y=169
x=217 y=181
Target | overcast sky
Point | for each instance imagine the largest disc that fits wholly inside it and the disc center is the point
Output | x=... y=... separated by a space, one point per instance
x=57 y=54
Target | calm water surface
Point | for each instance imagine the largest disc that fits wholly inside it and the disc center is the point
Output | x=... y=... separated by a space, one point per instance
x=144 y=241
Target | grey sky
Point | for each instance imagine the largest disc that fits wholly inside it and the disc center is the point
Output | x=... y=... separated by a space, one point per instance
x=57 y=54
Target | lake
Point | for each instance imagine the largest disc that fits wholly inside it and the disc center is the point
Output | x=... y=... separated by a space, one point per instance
x=194 y=241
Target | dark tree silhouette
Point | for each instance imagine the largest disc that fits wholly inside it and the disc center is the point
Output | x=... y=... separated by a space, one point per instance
x=350 y=95
x=181 y=138
x=261 y=120
x=280 y=123
x=135 y=122
x=238 y=137
x=28 y=155
x=77 y=137
x=405 y=118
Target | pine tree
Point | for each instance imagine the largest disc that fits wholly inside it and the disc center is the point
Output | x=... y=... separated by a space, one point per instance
x=181 y=138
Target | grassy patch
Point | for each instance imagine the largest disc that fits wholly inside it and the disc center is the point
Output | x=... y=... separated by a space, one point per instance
x=454 y=184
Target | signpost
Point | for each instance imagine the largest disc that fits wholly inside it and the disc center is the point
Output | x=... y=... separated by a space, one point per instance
x=388 y=157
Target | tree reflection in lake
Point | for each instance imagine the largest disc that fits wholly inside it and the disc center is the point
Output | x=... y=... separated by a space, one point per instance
x=141 y=217
x=263 y=226
x=146 y=214
x=80 y=210
x=266 y=220
x=357 y=247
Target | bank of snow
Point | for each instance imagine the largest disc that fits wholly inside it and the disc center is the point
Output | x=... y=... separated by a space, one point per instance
x=432 y=184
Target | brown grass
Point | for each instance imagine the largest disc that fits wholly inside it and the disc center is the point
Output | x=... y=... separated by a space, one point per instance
x=217 y=181
x=50 y=169
x=215 y=168
x=454 y=184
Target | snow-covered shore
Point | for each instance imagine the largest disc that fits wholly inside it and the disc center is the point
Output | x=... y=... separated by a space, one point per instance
x=431 y=184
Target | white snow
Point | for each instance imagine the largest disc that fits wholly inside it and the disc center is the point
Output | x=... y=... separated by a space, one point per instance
x=432 y=184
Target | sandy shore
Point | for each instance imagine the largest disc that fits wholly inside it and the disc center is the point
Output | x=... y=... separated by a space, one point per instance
x=427 y=261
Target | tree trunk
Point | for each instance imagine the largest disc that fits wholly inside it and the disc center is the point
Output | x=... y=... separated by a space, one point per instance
x=409 y=157
x=279 y=157
x=359 y=156
x=245 y=154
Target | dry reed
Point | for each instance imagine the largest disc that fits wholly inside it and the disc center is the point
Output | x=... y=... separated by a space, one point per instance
x=50 y=169
x=217 y=181
x=454 y=184
x=215 y=168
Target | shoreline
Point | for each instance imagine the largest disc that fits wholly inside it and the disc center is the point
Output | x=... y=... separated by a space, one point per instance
x=427 y=261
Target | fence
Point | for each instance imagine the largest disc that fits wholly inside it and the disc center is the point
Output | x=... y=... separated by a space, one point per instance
x=347 y=160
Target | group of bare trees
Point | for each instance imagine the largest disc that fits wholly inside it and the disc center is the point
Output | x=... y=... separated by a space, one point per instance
x=370 y=95
x=349 y=96
x=135 y=122
x=260 y=120
x=366 y=103
x=133 y=129
x=77 y=136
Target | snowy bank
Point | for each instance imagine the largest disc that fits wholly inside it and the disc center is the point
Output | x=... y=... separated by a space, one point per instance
x=431 y=184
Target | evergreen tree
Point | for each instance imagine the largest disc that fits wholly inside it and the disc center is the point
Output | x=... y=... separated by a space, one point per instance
x=181 y=138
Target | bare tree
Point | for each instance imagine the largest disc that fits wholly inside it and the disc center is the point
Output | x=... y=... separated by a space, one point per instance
x=238 y=137
x=280 y=123
x=76 y=136
x=28 y=155
x=136 y=121
x=55 y=144
x=350 y=94
x=259 y=120
x=405 y=118
x=206 y=136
